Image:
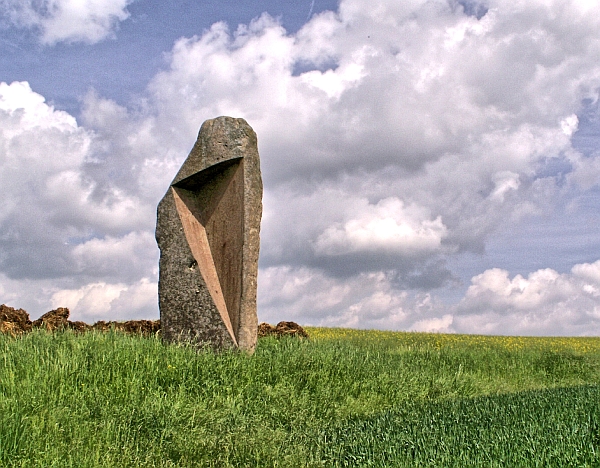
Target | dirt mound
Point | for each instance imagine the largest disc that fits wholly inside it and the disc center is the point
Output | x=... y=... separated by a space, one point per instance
x=16 y=322
x=282 y=329
x=145 y=327
x=56 y=319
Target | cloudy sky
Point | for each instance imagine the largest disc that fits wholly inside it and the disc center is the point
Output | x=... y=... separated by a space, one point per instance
x=429 y=165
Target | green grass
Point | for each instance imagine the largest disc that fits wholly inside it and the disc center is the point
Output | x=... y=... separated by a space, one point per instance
x=343 y=398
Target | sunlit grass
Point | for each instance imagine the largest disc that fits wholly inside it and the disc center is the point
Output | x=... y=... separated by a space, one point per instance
x=342 y=398
x=412 y=340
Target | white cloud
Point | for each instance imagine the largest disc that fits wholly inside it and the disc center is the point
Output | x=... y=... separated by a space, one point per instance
x=20 y=99
x=32 y=136
x=99 y=301
x=300 y=292
x=117 y=257
x=93 y=299
x=569 y=125
x=442 y=111
x=586 y=170
x=346 y=76
x=45 y=156
x=504 y=181
x=435 y=325
x=88 y=21
x=543 y=303
x=589 y=272
x=368 y=300
x=388 y=226
x=63 y=223
x=546 y=302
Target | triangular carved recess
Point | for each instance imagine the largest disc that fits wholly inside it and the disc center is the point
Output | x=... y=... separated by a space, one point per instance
x=211 y=211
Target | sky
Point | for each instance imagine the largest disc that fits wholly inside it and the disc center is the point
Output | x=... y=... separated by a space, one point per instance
x=428 y=165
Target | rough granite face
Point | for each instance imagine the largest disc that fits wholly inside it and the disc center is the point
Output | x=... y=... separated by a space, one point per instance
x=207 y=230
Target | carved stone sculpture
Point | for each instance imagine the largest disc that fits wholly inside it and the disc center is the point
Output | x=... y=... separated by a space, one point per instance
x=208 y=226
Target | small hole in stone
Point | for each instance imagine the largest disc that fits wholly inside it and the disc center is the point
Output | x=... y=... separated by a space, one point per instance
x=193 y=265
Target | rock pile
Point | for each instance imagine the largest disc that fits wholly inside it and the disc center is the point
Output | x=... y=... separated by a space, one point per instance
x=16 y=322
x=282 y=329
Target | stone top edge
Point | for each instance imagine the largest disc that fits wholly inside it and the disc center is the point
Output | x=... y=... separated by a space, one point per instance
x=219 y=140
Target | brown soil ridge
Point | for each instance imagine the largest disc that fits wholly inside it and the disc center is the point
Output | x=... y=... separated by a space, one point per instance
x=16 y=322
x=282 y=329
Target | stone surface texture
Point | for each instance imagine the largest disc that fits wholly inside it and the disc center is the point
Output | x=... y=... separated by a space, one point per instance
x=208 y=232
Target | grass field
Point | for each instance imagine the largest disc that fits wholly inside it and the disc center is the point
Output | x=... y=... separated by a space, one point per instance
x=342 y=398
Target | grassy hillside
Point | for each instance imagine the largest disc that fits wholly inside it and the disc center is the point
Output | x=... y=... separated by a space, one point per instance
x=343 y=398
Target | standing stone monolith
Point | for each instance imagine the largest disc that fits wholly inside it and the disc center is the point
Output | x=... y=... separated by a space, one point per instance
x=207 y=230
